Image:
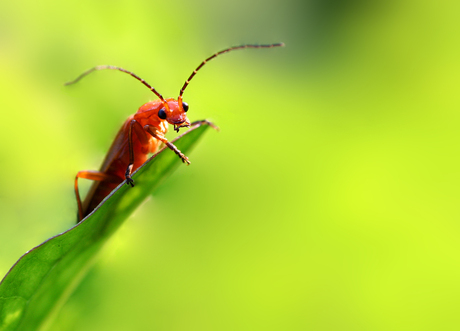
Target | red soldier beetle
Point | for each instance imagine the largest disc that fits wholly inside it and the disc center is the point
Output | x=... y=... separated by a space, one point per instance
x=141 y=134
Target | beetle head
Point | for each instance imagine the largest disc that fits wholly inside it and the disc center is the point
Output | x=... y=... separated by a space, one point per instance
x=176 y=114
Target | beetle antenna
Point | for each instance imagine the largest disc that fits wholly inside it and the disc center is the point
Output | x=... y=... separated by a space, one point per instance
x=219 y=53
x=120 y=69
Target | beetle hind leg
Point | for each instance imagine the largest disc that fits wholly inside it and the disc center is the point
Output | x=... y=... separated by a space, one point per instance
x=91 y=175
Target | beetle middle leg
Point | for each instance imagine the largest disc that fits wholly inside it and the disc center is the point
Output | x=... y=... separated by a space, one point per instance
x=143 y=139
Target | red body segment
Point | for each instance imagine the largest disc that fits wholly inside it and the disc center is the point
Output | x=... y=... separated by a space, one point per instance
x=143 y=143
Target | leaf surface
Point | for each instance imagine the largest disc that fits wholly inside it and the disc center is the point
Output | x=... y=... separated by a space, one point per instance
x=39 y=283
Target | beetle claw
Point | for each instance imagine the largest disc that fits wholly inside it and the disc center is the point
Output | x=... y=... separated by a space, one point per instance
x=183 y=158
x=129 y=181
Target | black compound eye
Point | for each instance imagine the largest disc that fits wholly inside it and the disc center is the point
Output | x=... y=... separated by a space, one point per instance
x=185 y=106
x=162 y=114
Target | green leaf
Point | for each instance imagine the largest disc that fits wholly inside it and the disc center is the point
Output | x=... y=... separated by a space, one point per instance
x=43 y=278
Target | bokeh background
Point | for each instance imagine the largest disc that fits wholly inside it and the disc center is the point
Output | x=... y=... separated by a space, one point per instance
x=328 y=201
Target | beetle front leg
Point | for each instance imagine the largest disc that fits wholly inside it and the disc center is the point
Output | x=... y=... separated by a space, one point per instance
x=157 y=135
x=204 y=122
x=172 y=147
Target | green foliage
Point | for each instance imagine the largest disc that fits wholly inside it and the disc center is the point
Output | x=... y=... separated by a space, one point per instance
x=43 y=278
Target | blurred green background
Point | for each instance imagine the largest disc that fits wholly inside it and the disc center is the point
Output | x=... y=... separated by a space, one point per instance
x=328 y=201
